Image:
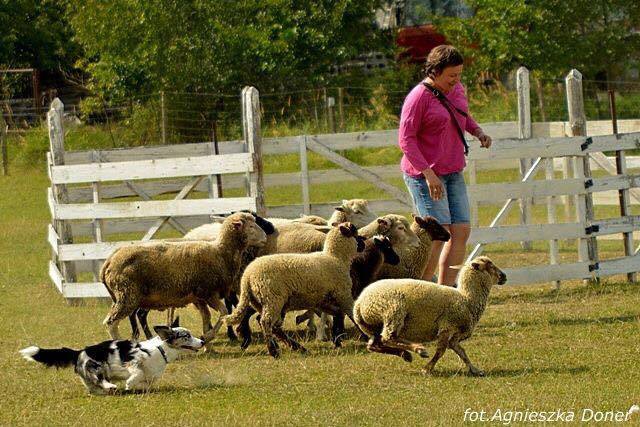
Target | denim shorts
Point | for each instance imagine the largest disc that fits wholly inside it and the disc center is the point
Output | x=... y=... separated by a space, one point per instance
x=452 y=208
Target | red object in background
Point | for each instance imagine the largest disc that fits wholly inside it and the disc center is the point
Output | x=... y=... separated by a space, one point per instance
x=418 y=42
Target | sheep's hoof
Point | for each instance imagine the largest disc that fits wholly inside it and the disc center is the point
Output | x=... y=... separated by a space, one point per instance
x=406 y=356
x=475 y=372
x=273 y=348
x=422 y=352
x=245 y=343
x=231 y=334
x=427 y=371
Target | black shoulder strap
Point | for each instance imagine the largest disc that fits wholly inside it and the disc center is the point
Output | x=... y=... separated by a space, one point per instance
x=447 y=105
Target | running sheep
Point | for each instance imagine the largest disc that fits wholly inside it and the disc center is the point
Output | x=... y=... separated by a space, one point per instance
x=163 y=275
x=364 y=269
x=275 y=284
x=400 y=314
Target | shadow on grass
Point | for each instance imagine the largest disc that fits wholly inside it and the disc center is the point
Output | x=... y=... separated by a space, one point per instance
x=350 y=345
x=166 y=389
x=504 y=373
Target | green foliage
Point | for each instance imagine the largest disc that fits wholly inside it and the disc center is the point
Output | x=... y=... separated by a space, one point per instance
x=550 y=36
x=35 y=34
x=137 y=46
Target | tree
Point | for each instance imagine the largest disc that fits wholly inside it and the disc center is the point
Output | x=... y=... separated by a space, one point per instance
x=138 y=46
x=549 y=36
x=36 y=34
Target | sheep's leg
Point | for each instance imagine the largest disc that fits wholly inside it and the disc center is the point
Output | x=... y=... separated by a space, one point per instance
x=205 y=314
x=375 y=344
x=135 y=331
x=218 y=305
x=142 y=314
x=282 y=336
x=454 y=345
x=306 y=316
x=345 y=305
x=442 y=345
x=337 y=329
x=402 y=344
x=244 y=330
x=230 y=302
x=267 y=323
x=170 y=313
x=119 y=310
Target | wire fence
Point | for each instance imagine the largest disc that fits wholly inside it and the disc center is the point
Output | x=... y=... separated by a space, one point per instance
x=179 y=117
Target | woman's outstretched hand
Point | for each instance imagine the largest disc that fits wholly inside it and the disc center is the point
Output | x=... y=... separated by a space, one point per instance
x=485 y=140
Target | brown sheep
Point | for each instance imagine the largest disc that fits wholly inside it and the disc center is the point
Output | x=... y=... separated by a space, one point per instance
x=413 y=260
x=164 y=275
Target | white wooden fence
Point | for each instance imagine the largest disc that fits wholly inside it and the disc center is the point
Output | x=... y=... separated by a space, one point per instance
x=80 y=213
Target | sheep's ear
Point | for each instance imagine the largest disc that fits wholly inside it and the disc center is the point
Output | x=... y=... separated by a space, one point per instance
x=324 y=228
x=456 y=267
x=476 y=265
x=237 y=225
x=176 y=322
x=335 y=224
x=164 y=332
x=339 y=208
x=346 y=231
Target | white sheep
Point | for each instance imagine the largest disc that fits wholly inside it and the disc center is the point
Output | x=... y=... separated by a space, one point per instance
x=399 y=314
x=355 y=211
x=275 y=284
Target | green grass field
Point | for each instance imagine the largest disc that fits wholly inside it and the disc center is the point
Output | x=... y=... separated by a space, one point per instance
x=542 y=349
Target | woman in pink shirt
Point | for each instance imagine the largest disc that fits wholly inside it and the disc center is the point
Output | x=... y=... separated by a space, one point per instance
x=434 y=149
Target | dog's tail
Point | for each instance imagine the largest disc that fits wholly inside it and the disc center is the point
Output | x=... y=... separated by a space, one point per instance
x=59 y=357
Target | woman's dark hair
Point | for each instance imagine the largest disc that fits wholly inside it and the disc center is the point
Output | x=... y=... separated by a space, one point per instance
x=441 y=57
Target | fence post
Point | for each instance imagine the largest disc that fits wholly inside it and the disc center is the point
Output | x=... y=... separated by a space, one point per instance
x=524 y=130
x=60 y=195
x=3 y=145
x=623 y=195
x=331 y=104
x=341 y=107
x=551 y=218
x=588 y=248
x=304 y=175
x=253 y=142
x=97 y=223
x=163 y=118
x=472 y=169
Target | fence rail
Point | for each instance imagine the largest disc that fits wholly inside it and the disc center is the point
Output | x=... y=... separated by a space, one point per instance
x=87 y=211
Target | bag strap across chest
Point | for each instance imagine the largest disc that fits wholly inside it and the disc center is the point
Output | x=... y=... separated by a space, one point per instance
x=449 y=107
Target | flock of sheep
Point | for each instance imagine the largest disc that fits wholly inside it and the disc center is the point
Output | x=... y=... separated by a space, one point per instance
x=355 y=264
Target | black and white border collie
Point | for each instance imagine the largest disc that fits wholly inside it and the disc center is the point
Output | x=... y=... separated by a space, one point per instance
x=138 y=364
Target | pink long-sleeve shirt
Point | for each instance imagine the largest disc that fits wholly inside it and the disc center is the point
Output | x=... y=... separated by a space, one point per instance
x=427 y=136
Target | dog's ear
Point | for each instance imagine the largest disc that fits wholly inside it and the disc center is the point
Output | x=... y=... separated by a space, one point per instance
x=164 y=332
x=176 y=322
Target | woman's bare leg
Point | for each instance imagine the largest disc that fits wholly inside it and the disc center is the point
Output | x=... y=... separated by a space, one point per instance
x=432 y=264
x=453 y=253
